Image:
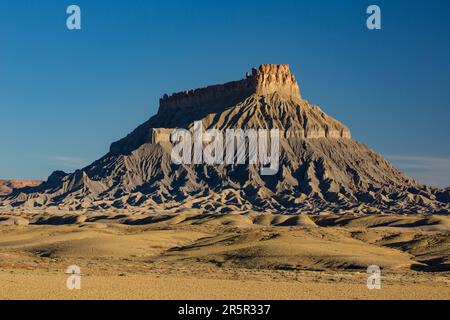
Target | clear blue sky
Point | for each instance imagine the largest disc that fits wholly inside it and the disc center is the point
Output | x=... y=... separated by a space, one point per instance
x=66 y=95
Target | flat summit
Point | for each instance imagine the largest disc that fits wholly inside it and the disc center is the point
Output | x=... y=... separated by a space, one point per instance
x=322 y=169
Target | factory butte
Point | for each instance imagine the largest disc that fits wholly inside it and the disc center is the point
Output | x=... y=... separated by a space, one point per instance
x=321 y=168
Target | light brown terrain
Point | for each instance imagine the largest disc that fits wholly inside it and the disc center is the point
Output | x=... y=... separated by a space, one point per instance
x=140 y=226
x=6 y=186
x=231 y=256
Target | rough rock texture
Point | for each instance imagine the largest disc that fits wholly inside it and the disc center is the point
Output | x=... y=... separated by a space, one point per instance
x=322 y=169
x=268 y=79
x=268 y=98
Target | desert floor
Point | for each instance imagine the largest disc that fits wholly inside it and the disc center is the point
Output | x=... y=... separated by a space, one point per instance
x=231 y=256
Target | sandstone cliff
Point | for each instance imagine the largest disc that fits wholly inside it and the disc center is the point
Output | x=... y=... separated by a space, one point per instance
x=274 y=91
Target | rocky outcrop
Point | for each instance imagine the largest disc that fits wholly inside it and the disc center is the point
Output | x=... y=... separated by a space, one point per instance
x=273 y=78
x=268 y=79
x=159 y=135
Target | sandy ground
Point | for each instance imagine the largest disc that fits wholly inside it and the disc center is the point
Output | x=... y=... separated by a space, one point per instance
x=53 y=286
x=227 y=257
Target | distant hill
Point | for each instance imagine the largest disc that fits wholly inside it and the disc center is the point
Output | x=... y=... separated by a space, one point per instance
x=7 y=186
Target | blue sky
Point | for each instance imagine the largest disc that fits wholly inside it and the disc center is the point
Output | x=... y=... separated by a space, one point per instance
x=66 y=95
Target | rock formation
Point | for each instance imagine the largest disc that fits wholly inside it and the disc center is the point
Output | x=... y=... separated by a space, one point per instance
x=274 y=84
x=322 y=169
x=268 y=79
